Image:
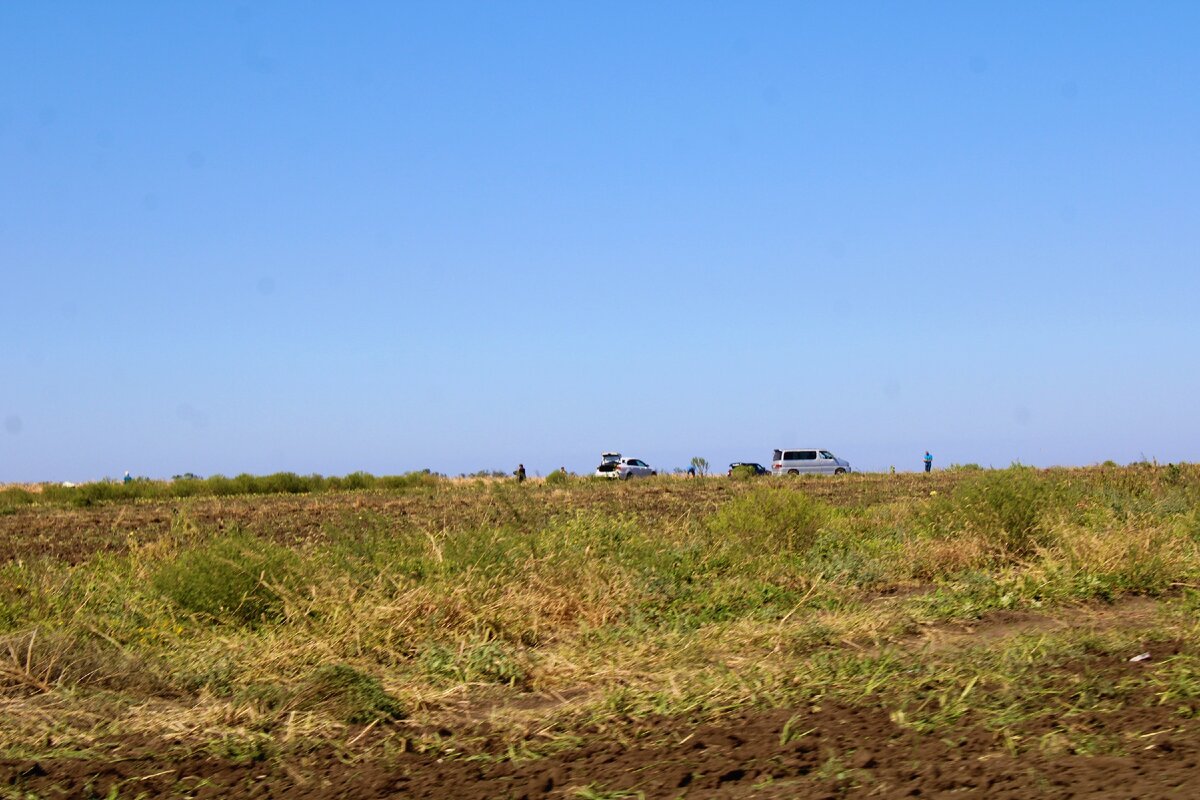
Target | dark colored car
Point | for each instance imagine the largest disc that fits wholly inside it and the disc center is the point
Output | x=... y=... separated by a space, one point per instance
x=759 y=469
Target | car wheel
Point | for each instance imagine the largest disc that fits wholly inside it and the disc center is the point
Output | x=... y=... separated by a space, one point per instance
x=627 y=476
x=653 y=473
x=793 y=472
x=839 y=471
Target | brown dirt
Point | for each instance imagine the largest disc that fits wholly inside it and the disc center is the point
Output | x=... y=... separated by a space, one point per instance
x=829 y=751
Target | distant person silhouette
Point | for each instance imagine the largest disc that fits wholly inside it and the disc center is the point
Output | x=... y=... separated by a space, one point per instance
x=520 y=473
x=128 y=478
x=928 y=461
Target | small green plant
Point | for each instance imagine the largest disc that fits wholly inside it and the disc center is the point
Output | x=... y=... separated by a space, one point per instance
x=700 y=465
x=789 y=733
x=557 y=478
x=487 y=662
x=247 y=749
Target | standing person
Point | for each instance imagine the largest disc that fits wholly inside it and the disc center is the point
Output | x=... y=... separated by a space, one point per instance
x=928 y=461
x=128 y=478
x=520 y=473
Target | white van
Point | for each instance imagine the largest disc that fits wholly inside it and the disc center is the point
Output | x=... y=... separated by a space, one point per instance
x=801 y=461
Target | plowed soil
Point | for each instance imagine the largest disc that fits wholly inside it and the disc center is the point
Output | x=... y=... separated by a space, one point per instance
x=818 y=752
x=74 y=534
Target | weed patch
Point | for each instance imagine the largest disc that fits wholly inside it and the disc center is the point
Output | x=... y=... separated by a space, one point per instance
x=778 y=519
x=349 y=695
x=1014 y=509
x=484 y=662
x=235 y=578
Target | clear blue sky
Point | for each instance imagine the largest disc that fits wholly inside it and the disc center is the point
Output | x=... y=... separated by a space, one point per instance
x=324 y=237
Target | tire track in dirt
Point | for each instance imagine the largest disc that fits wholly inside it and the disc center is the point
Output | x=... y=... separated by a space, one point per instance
x=1127 y=612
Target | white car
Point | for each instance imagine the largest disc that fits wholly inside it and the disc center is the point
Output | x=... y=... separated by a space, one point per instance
x=612 y=465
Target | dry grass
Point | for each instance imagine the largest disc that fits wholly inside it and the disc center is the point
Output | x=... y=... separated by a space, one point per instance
x=543 y=609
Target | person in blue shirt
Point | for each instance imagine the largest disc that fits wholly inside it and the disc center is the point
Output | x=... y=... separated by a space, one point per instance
x=928 y=461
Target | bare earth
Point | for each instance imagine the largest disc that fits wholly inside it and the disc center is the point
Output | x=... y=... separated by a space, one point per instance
x=742 y=756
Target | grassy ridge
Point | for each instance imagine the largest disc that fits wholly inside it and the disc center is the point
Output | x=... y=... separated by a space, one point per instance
x=88 y=494
x=771 y=596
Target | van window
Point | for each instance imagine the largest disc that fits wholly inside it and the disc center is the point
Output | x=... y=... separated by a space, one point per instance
x=807 y=455
x=778 y=456
x=792 y=455
x=826 y=454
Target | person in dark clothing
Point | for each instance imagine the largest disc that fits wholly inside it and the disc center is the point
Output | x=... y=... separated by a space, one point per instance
x=928 y=461
x=520 y=473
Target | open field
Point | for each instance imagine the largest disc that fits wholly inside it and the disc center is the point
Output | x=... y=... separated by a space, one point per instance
x=963 y=634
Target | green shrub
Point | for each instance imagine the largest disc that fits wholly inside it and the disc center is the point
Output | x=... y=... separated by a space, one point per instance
x=780 y=518
x=286 y=483
x=89 y=494
x=352 y=482
x=236 y=578
x=743 y=473
x=11 y=499
x=106 y=491
x=410 y=480
x=1014 y=508
x=186 y=487
x=348 y=694
x=218 y=486
x=557 y=478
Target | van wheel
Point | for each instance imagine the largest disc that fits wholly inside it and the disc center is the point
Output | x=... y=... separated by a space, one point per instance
x=627 y=476
x=839 y=471
x=793 y=472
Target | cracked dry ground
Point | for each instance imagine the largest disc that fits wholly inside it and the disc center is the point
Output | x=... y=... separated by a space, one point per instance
x=823 y=751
